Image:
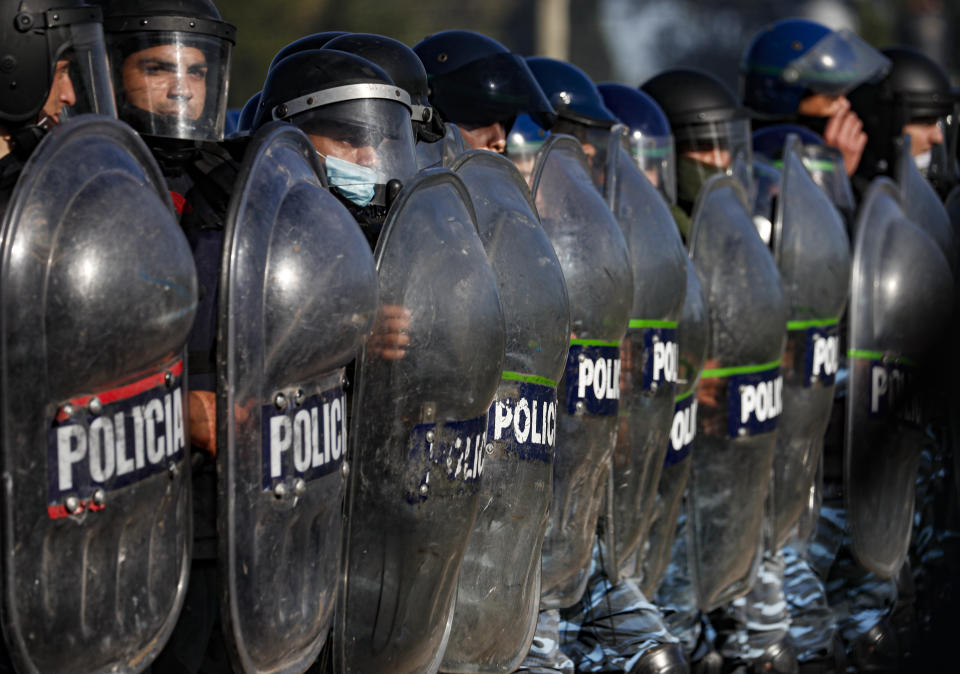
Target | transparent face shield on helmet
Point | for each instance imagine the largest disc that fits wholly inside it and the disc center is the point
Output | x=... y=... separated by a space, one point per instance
x=655 y=156
x=837 y=63
x=364 y=144
x=766 y=178
x=935 y=163
x=81 y=80
x=172 y=83
x=703 y=150
x=524 y=141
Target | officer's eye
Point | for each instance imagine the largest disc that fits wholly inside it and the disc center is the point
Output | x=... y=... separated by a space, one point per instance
x=197 y=71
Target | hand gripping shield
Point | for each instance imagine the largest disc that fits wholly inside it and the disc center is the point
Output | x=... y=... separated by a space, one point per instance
x=424 y=385
x=499 y=593
x=298 y=292
x=739 y=395
x=99 y=293
x=648 y=355
x=922 y=204
x=812 y=251
x=900 y=301
x=596 y=265
x=692 y=336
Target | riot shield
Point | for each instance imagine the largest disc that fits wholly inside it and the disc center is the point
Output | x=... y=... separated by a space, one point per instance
x=499 y=592
x=812 y=252
x=900 y=302
x=739 y=395
x=99 y=293
x=596 y=265
x=922 y=204
x=648 y=355
x=692 y=336
x=444 y=152
x=424 y=385
x=298 y=292
x=952 y=205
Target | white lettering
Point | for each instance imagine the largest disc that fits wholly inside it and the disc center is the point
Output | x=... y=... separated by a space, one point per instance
x=280 y=441
x=301 y=441
x=124 y=463
x=522 y=430
x=585 y=377
x=153 y=415
x=71 y=449
x=878 y=386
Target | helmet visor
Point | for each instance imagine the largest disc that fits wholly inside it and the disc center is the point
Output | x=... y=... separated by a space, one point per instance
x=837 y=63
x=655 y=156
x=172 y=83
x=724 y=146
x=371 y=132
x=81 y=81
x=825 y=166
x=523 y=143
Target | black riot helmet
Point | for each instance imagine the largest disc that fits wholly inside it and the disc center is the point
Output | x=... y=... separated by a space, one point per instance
x=571 y=93
x=707 y=120
x=916 y=89
x=313 y=41
x=475 y=81
x=50 y=45
x=356 y=118
x=171 y=66
x=405 y=69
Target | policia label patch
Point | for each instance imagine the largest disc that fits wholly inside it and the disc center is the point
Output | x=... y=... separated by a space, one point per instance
x=754 y=397
x=592 y=378
x=526 y=421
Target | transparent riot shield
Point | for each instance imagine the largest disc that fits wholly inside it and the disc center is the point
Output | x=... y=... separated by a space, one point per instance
x=298 y=293
x=692 y=336
x=922 y=204
x=739 y=396
x=596 y=265
x=812 y=252
x=424 y=385
x=900 y=302
x=444 y=152
x=499 y=594
x=99 y=293
x=648 y=355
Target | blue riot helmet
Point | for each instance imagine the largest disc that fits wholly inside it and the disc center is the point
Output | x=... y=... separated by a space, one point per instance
x=710 y=128
x=475 y=81
x=524 y=141
x=357 y=119
x=790 y=59
x=649 y=136
x=313 y=41
x=248 y=112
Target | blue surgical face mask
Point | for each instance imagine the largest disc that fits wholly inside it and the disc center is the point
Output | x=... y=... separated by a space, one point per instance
x=355 y=182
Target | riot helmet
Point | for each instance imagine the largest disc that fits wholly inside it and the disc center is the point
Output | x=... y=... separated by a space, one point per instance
x=171 y=66
x=314 y=41
x=52 y=64
x=476 y=82
x=405 y=69
x=710 y=128
x=649 y=136
x=793 y=58
x=248 y=112
x=914 y=97
x=357 y=119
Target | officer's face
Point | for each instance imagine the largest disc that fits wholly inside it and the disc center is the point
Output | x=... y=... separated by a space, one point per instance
x=718 y=157
x=491 y=137
x=924 y=134
x=61 y=94
x=343 y=148
x=168 y=80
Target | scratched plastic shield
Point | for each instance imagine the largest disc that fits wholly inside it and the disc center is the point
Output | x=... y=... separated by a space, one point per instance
x=922 y=204
x=99 y=293
x=595 y=261
x=498 y=599
x=738 y=396
x=298 y=295
x=812 y=251
x=419 y=431
x=900 y=302
x=649 y=355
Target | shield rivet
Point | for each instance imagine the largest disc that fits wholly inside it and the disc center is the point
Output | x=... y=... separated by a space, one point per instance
x=280 y=401
x=741 y=432
x=430 y=436
x=168 y=378
x=653 y=387
x=741 y=388
x=299 y=397
x=95 y=406
x=813 y=379
x=424 y=489
x=299 y=487
x=68 y=410
x=345 y=469
x=580 y=406
x=280 y=490
x=489 y=448
x=581 y=358
x=344 y=382
x=72 y=504
x=173 y=470
x=99 y=496
x=656 y=339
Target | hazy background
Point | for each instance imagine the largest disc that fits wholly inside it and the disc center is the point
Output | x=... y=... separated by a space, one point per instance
x=624 y=40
